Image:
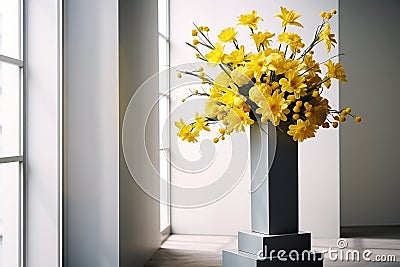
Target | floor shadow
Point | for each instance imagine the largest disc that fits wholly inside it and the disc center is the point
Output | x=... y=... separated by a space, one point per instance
x=187 y=258
x=380 y=232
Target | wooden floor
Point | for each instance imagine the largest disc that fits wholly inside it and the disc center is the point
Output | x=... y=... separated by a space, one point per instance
x=205 y=251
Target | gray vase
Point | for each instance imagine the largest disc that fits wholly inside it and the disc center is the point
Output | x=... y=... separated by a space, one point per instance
x=274 y=171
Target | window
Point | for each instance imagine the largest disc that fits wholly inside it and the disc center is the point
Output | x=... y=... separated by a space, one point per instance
x=163 y=56
x=11 y=157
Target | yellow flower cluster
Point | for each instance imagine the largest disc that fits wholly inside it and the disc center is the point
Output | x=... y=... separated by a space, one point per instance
x=281 y=84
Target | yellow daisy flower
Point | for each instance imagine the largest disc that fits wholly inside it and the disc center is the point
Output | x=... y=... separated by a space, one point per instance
x=260 y=92
x=216 y=55
x=302 y=130
x=294 y=83
x=310 y=65
x=250 y=20
x=335 y=70
x=186 y=132
x=275 y=61
x=291 y=39
x=327 y=37
x=274 y=108
x=236 y=57
x=201 y=123
x=262 y=38
x=256 y=65
x=289 y=17
x=236 y=120
x=227 y=35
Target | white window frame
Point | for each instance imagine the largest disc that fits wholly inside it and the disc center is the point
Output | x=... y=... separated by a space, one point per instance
x=19 y=158
x=165 y=228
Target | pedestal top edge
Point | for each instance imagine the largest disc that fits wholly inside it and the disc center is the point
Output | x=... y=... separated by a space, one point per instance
x=248 y=232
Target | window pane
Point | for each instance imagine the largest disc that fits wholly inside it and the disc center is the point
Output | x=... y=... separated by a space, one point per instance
x=10 y=28
x=9 y=214
x=10 y=109
x=164 y=191
x=163 y=55
x=163 y=17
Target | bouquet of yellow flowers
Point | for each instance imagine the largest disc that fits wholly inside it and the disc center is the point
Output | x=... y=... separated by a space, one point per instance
x=283 y=85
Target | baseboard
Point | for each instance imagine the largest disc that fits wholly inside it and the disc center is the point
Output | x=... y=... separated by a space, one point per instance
x=165 y=234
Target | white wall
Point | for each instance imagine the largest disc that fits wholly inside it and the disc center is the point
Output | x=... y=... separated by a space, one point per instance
x=102 y=226
x=42 y=156
x=319 y=189
x=138 y=60
x=369 y=151
x=91 y=128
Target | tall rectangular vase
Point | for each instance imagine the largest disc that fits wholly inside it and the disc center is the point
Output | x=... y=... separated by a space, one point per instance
x=274 y=205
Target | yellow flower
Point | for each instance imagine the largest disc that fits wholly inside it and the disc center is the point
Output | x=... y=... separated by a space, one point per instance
x=312 y=81
x=291 y=39
x=289 y=17
x=302 y=130
x=211 y=108
x=232 y=98
x=201 y=123
x=236 y=76
x=260 y=91
x=275 y=62
x=216 y=55
x=262 y=38
x=180 y=123
x=236 y=57
x=267 y=89
x=318 y=115
x=327 y=37
x=274 y=108
x=310 y=65
x=256 y=66
x=250 y=20
x=227 y=35
x=194 y=32
x=290 y=64
x=256 y=95
x=236 y=120
x=335 y=70
x=293 y=83
x=214 y=109
x=216 y=91
x=328 y=15
x=186 y=132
